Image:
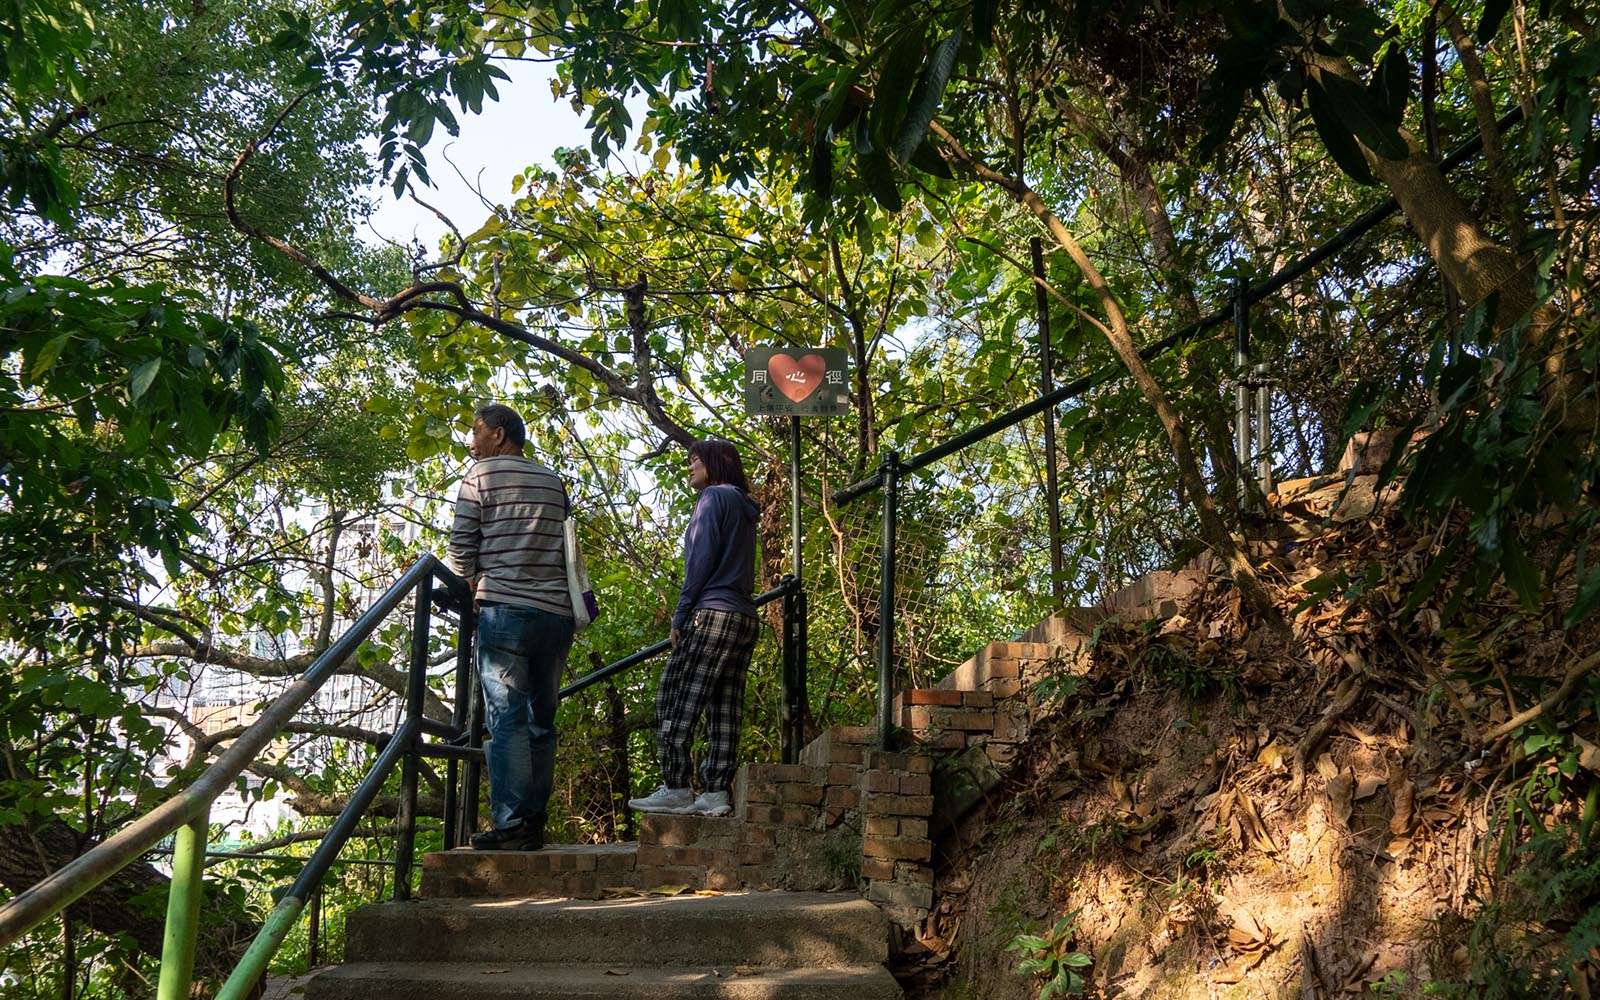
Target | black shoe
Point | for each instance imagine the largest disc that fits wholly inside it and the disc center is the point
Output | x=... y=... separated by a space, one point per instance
x=522 y=837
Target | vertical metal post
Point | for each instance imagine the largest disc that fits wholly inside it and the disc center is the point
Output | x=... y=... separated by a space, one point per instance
x=796 y=557
x=1263 y=441
x=889 y=472
x=1241 y=392
x=458 y=718
x=473 y=783
x=314 y=930
x=416 y=684
x=792 y=708
x=789 y=753
x=1052 y=490
x=183 y=909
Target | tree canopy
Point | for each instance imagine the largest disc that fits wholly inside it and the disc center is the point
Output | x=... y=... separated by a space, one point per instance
x=226 y=421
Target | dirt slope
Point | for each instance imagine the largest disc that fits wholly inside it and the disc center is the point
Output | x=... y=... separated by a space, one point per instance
x=1233 y=817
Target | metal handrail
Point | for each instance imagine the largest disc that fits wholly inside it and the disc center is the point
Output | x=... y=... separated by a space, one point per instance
x=186 y=814
x=892 y=468
x=1249 y=294
x=241 y=983
x=655 y=649
x=62 y=887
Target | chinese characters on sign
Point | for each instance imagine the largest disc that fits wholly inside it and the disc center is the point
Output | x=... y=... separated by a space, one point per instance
x=799 y=382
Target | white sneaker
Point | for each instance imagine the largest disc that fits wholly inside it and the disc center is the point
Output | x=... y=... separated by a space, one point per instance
x=710 y=804
x=664 y=800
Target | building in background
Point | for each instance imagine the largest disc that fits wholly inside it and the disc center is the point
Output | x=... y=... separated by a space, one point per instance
x=217 y=699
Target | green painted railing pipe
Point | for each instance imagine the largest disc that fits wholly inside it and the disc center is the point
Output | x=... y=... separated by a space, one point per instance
x=62 y=887
x=183 y=910
x=241 y=982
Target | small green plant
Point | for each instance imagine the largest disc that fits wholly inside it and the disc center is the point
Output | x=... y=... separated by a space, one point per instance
x=1394 y=983
x=841 y=855
x=1052 y=958
x=1057 y=687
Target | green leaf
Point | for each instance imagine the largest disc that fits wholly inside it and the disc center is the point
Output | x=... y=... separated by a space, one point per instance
x=1494 y=12
x=1521 y=575
x=1587 y=600
x=983 y=18
x=142 y=377
x=926 y=97
x=1336 y=137
x=821 y=176
x=878 y=173
x=47 y=355
x=1429 y=581
x=836 y=98
x=928 y=160
x=1320 y=587
x=1391 y=82
x=895 y=81
x=1364 y=118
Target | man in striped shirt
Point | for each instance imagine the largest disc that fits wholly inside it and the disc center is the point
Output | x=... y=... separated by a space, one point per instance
x=507 y=543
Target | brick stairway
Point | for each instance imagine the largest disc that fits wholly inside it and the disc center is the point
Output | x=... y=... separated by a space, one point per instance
x=846 y=811
x=785 y=919
x=743 y=946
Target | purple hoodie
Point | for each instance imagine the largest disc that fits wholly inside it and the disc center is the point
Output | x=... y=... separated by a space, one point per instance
x=719 y=554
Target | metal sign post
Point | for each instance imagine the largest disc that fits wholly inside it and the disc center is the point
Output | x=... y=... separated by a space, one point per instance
x=795 y=382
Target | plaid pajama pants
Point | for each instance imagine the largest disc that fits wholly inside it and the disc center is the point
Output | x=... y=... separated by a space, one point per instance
x=705 y=674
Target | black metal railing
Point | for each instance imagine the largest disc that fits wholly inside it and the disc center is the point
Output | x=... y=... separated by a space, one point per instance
x=186 y=813
x=892 y=469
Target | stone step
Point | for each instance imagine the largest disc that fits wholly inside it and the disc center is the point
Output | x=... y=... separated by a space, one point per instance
x=1004 y=668
x=503 y=981
x=1068 y=627
x=765 y=929
x=578 y=871
x=1158 y=594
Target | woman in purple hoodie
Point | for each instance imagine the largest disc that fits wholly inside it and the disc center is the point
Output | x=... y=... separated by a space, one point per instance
x=713 y=636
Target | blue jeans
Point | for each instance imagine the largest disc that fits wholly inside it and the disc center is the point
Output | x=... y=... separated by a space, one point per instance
x=522 y=652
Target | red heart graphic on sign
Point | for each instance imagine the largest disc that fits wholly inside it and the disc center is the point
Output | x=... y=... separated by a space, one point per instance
x=797 y=379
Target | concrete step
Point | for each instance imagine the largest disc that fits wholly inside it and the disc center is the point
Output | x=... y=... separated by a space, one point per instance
x=1067 y=627
x=496 y=980
x=762 y=929
x=1158 y=594
x=1004 y=669
x=580 y=871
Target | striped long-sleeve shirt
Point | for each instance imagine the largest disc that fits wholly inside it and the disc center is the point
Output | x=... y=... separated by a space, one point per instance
x=507 y=533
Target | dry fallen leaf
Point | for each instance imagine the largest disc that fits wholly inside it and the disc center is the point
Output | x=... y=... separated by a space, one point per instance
x=1405 y=795
x=1588 y=754
x=1239 y=815
x=1247 y=936
x=1327 y=768
x=1340 y=791
x=1274 y=756
x=1368 y=784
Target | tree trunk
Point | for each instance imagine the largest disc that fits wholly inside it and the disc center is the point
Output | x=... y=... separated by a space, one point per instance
x=1136 y=174
x=1472 y=262
x=1212 y=530
x=123 y=903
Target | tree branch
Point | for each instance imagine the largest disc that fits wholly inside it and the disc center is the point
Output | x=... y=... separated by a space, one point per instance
x=417 y=296
x=1213 y=532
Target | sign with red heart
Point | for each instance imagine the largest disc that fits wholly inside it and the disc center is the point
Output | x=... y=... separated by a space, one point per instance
x=790 y=381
